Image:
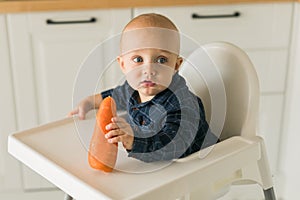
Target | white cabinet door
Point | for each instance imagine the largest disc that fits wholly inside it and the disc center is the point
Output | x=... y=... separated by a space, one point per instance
x=10 y=178
x=271 y=67
x=290 y=160
x=255 y=26
x=47 y=50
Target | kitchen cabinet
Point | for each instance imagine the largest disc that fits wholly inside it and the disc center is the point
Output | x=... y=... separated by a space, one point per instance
x=47 y=49
x=253 y=27
x=263 y=31
x=9 y=167
x=290 y=161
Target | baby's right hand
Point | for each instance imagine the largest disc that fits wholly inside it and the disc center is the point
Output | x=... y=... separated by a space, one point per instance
x=82 y=108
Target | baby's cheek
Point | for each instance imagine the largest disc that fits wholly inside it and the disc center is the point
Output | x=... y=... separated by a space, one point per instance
x=133 y=78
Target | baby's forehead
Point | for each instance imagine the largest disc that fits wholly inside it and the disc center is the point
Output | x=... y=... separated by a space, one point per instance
x=150 y=38
x=150 y=32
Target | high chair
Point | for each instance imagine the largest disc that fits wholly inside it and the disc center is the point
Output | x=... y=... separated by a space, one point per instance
x=241 y=90
x=56 y=152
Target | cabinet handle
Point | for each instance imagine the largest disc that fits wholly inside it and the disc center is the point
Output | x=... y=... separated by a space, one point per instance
x=53 y=22
x=235 y=14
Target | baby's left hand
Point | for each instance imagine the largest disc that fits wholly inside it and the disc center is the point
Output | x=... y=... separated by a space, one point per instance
x=120 y=131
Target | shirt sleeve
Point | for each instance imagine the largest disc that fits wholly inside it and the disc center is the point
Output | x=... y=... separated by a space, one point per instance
x=120 y=94
x=107 y=93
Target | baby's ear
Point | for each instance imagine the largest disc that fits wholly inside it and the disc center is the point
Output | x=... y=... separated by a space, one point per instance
x=178 y=63
x=121 y=63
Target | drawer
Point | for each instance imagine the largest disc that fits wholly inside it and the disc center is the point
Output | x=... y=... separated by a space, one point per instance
x=270 y=123
x=258 y=26
x=91 y=20
x=271 y=67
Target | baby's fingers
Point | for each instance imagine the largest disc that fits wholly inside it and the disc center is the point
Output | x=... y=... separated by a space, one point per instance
x=73 y=112
x=79 y=111
x=115 y=139
x=114 y=136
x=70 y=114
x=120 y=122
x=113 y=133
x=111 y=126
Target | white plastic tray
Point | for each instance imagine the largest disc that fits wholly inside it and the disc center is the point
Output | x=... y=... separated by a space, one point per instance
x=57 y=153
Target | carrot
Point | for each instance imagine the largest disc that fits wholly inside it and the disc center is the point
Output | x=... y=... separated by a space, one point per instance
x=103 y=155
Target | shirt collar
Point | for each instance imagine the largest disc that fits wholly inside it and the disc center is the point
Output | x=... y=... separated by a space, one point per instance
x=176 y=83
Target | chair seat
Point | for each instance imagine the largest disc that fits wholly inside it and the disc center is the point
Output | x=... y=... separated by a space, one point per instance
x=227 y=148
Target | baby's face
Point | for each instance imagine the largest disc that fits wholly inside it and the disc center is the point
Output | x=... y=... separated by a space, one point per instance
x=149 y=71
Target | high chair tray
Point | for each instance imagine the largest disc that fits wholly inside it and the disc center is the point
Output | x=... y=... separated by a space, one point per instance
x=56 y=152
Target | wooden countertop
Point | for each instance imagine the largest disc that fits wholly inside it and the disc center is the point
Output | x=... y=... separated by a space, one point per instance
x=9 y=6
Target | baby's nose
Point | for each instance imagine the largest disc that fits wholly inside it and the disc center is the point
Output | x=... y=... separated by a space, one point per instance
x=149 y=69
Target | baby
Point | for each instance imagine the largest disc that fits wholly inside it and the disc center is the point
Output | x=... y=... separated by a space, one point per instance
x=165 y=119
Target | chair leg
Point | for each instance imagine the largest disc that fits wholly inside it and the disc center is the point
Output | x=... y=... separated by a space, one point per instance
x=269 y=194
x=68 y=197
x=265 y=173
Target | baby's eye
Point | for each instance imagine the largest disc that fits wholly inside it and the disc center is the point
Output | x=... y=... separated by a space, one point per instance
x=138 y=59
x=162 y=60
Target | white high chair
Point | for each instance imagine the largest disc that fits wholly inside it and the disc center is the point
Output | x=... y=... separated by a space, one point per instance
x=56 y=152
x=242 y=104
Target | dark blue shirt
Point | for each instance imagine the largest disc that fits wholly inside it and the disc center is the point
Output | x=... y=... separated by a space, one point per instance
x=169 y=126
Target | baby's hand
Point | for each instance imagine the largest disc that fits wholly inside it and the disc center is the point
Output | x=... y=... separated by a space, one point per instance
x=82 y=108
x=120 y=131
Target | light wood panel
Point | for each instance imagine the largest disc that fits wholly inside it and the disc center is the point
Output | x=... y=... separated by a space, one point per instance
x=9 y=6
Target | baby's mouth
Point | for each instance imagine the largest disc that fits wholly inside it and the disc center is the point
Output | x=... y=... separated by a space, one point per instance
x=148 y=83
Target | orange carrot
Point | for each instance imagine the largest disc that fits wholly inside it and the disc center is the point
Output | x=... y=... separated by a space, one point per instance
x=103 y=155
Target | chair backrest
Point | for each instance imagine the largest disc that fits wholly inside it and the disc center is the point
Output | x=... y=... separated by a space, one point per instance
x=231 y=89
